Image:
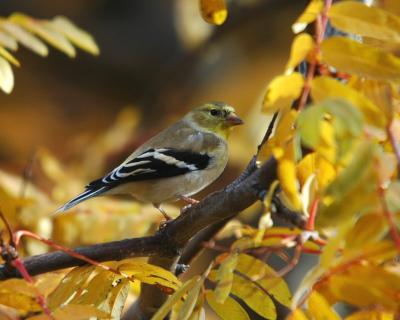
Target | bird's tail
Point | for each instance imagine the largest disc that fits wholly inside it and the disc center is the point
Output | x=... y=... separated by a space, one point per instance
x=89 y=193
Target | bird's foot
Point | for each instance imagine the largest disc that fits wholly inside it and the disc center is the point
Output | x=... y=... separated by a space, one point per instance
x=189 y=200
x=165 y=214
x=164 y=224
x=186 y=209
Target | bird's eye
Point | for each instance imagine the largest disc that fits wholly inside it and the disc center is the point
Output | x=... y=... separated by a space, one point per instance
x=215 y=112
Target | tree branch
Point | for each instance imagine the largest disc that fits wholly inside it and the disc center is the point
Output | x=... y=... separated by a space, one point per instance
x=170 y=240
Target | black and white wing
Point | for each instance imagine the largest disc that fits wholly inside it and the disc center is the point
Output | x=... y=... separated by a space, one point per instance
x=151 y=164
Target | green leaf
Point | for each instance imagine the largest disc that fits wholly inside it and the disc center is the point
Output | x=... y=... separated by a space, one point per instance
x=347 y=122
x=353 y=191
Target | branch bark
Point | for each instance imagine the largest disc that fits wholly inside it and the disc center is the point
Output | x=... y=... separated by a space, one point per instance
x=168 y=242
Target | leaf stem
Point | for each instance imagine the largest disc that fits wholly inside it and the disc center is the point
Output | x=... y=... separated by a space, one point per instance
x=320 y=28
x=390 y=219
x=395 y=146
x=313 y=213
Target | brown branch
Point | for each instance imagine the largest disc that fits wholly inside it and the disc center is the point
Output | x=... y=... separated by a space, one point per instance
x=169 y=241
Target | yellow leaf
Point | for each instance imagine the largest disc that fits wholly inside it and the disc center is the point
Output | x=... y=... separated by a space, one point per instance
x=326 y=87
x=352 y=57
x=115 y=302
x=361 y=292
x=73 y=281
x=7 y=41
x=379 y=92
x=282 y=91
x=214 y=11
x=319 y=308
x=229 y=310
x=389 y=5
x=77 y=36
x=302 y=45
x=25 y=38
x=376 y=252
x=358 y=18
x=313 y=9
x=285 y=129
x=371 y=315
x=79 y=312
x=19 y=294
x=225 y=277
x=54 y=38
x=191 y=300
x=19 y=301
x=5 y=54
x=308 y=281
x=313 y=163
x=369 y=228
x=265 y=277
x=46 y=283
x=51 y=166
x=330 y=255
x=257 y=299
x=297 y=314
x=174 y=298
x=326 y=146
x=98 y=292
x=288 y=179
x=150 y=274
x=6 y=76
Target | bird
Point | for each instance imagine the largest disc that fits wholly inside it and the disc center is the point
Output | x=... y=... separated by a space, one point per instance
x=173 y=165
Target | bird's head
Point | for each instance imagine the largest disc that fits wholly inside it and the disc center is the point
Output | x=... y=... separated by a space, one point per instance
x=217 y=117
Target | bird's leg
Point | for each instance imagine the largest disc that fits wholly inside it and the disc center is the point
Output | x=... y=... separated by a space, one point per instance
x=189 y=200
x=159 y=208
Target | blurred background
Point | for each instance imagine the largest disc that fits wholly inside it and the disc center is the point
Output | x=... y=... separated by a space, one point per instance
x=158 y=59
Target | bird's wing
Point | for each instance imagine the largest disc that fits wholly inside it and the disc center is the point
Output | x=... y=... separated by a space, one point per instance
x=154 y=163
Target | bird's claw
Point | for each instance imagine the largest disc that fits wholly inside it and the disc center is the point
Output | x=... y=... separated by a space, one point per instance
x=186 y=208
x=164 y=223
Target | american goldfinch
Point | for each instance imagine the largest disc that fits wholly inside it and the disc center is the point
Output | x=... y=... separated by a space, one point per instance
x=175 y=164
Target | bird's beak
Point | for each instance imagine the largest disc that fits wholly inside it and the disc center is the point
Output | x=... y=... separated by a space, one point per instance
x=233 y=119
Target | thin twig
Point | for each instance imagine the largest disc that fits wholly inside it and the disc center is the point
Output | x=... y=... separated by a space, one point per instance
x=320 y=28
x=395 y=145
x=390 y=219
x=268 y=133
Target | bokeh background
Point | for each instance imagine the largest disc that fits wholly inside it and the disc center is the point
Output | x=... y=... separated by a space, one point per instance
x=157 y=56
x=158 y=59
